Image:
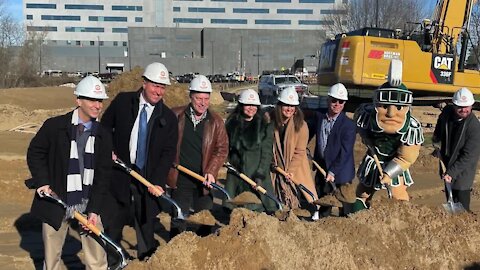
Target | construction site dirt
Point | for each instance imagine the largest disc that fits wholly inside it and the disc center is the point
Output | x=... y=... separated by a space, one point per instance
x=418 y=234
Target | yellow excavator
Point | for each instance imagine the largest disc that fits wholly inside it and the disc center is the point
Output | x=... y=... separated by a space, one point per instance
x=432 y=65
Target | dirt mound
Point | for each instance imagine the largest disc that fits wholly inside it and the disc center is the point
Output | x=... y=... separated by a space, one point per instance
x=392 y=235
x=12 y=116
x=245 y=198
x=203 y=217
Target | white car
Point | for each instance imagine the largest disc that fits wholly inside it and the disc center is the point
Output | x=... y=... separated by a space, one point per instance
x=271 y=85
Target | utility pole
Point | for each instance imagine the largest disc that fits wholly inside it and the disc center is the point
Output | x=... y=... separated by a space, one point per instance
x=376 y=14
x=241 y=55
x=258 y=58
x=213 y=58
x=98 y=40
x=129 y=51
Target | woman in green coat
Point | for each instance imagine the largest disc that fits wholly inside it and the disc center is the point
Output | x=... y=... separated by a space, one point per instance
x=250 y=137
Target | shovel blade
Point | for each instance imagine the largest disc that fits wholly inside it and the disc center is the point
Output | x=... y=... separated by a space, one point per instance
x=453 y=208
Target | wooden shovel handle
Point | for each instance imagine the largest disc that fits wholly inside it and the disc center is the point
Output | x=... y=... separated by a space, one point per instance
x=442 y=166
x=252 y=183
x=84 y=221
x=320 y=169
x=141 y=179
x=190 y=172
x=284 y=173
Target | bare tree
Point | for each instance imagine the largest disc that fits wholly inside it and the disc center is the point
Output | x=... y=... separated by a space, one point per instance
x=388 y=14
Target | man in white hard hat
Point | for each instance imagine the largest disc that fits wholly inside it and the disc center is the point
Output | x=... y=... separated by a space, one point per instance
x=335 y=137
x=144 y=137
x=202 y=147
x=70 y=156
x=457 y=134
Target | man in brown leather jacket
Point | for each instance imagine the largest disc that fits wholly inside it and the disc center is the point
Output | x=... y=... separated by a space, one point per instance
x=202 y=147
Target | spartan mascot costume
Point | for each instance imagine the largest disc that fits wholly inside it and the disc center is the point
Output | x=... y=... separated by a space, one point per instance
x=392 y=135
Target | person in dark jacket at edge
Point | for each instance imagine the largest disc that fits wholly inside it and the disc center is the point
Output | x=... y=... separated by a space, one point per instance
x=144 y=134
x=70 y=157
x=203 y=148
x=457 y=135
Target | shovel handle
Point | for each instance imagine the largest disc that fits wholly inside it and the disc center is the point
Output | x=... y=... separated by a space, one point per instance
x=284 y=173
x=320 y=169
x=189 y=172
x=141 y=179
x=84 y=221
x=252 y=183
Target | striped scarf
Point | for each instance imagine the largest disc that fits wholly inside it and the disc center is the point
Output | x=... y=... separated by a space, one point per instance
x=77 y=188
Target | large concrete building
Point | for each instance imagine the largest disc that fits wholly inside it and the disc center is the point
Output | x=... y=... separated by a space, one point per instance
x=208 y=36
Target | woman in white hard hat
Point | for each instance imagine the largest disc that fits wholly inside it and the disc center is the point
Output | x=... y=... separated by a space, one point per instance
x=289 y=151
x=457 y=134
x=250 y=137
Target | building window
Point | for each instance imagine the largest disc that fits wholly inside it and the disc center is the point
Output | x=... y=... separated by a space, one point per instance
x=228 y=0
x=106 y=19
x=251 y=10
x=60 y=18
x=89 y=7
x=317 y=1
x=187 y=20
x=85 y=29
x=138 y=19
x=42 y=6
x=274 y=1
x=273 y=22
x=129 y=8
x=92 y=43
x=29 y=17
x=101 y=43
x=183 y=38
x=119 y=30
x=333 y=11
x=228 y=21
x=314 y=22
x=209 y=10
x=176 y=9
x=294 y=11
x=124 y=44
x=77 y=43
x=42 y=28
x=115 y=43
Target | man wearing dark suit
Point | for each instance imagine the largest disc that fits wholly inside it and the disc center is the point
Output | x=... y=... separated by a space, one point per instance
x=335 y=137
x=144 y=136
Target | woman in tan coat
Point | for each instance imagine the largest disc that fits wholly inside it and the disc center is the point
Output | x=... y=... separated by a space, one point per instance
x=289 y=151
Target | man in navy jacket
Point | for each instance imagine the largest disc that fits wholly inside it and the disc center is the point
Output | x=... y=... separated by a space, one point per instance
x=335 y=137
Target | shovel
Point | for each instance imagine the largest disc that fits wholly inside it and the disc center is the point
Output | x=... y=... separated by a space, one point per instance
x=148 y=184
x=321 y=170
x=123 y=261
x=300 y=186
x=253 y=184
x=379 y=167
x=201 y=179
x=451 y=207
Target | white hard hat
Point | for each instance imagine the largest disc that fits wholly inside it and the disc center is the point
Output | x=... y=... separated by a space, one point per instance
x=200 y=84
x=289 y=96
x=90 y=87
x=338 y=91
x=157 y=73
x=249 y=97
x=463 y=97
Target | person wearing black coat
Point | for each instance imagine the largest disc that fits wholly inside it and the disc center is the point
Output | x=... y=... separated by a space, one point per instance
x=123 y=119
x=70 y=156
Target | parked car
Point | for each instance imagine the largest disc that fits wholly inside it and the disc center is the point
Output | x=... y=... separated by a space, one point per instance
x=269 y=86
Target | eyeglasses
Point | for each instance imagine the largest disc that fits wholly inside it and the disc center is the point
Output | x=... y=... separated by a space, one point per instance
x=334 y=100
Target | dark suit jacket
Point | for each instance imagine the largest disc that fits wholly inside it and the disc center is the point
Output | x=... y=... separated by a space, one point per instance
x=462 y=161
x=161 y=146
x=338 y=156
x=48 y=156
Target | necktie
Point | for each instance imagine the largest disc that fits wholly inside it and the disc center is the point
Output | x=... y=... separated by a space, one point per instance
x=142 y=139
x=81 y=129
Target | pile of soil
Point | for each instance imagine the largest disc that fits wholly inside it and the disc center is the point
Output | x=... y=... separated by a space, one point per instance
x=245 y=198
x=393 y=235
x=203 y=217
x=328 y=200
